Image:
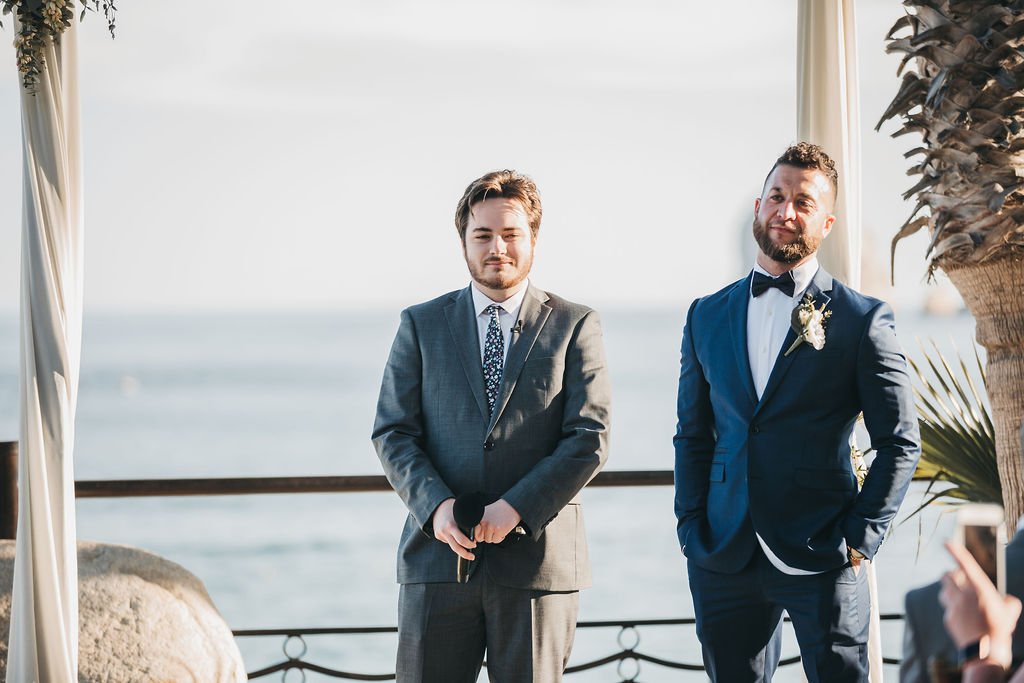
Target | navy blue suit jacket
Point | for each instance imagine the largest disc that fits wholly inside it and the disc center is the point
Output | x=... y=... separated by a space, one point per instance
x=781 y=465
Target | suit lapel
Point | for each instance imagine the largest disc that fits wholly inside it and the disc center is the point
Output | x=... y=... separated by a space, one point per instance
x=738 y=301
x=532 y=314
x=820 y=285
x=462 y=325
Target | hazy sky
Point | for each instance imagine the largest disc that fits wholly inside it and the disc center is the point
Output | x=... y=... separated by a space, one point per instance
x=238 y=156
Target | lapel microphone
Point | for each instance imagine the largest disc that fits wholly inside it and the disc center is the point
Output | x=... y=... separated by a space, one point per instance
x=518 y=327
x=468 y=510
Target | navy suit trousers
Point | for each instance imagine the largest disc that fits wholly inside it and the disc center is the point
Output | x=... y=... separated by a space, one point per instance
x=739 y=618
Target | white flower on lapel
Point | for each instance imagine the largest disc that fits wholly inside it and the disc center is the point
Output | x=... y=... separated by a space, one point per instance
x=809 y=324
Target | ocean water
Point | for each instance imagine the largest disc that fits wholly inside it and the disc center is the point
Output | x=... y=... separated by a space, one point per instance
x=294 y=394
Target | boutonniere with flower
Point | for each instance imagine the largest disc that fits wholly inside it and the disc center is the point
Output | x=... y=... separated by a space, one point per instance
x=809 y=324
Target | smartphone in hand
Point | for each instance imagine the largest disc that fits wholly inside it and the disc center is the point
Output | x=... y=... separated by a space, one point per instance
x=981 y=529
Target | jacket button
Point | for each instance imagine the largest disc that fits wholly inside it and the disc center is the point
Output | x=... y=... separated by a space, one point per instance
x=489 y=444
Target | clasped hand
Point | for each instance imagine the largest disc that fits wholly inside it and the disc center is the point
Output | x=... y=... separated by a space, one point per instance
x=498 y=521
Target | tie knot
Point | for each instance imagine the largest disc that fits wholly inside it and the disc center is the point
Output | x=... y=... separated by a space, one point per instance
x=762 y=283
x=492 y=310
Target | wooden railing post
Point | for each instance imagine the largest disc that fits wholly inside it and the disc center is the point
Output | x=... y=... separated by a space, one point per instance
x=8 y=489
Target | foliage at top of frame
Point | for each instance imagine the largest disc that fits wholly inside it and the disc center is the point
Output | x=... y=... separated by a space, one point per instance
x=42 y=22
x=963 y=72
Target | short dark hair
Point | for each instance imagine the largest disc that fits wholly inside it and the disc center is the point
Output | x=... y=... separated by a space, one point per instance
x=508 y=184
x=809 y=156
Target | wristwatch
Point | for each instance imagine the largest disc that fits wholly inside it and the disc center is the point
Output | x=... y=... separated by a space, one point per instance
x=968 y=652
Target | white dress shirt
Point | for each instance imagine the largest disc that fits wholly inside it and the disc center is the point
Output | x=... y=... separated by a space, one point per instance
x=768 y=321
x=508 y=314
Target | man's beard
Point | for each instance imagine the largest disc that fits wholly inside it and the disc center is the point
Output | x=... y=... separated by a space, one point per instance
x=803 y=246
x=500 y=280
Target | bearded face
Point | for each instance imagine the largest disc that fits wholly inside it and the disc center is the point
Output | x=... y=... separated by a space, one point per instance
x=498 y=246
x=793 y=215
x=800 y=246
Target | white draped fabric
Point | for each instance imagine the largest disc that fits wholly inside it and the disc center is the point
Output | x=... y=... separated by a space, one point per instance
x=43 y=645
x=828 y=114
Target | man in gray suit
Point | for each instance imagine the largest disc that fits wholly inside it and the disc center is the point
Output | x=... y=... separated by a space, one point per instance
x=497 y=389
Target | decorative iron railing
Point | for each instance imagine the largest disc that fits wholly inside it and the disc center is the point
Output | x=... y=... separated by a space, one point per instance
x=629 y=660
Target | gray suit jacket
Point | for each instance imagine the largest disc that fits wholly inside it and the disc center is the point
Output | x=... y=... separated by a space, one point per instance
x=547 y=438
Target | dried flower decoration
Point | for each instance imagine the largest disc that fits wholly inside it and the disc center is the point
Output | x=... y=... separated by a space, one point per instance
x=42 y=21
x=809 y=324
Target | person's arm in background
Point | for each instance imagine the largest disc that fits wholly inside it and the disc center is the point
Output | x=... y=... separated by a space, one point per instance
x=976 y=613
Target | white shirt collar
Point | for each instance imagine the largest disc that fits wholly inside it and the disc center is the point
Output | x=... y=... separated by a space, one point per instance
x=802 y=275
x=511 y=305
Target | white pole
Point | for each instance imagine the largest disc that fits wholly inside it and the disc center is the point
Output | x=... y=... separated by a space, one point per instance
x=828 y=114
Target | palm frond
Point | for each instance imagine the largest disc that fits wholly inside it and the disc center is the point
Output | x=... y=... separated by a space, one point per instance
x=958 y=446
x=961 y=77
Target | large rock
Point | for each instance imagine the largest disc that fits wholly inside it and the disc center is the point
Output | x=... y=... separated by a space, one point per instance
x=141 y=619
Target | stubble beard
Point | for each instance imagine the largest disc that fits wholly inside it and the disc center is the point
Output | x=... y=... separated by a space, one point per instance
x=500 y=280
x=803 y=246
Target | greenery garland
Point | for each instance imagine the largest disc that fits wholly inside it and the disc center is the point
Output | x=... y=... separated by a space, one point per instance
x=44 y=20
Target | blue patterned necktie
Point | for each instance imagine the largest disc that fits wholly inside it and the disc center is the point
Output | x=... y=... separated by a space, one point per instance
x=494 y=356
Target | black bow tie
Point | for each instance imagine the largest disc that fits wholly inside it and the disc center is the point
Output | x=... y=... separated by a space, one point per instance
x=762 y=283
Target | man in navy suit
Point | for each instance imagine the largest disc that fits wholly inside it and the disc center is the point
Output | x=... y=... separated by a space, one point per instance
x=775 y=370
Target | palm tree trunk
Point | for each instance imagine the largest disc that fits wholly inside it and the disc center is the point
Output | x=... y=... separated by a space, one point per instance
x=994 y=293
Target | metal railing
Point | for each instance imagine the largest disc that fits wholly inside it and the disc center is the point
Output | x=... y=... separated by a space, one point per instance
x=628 y=659
x=134 y=488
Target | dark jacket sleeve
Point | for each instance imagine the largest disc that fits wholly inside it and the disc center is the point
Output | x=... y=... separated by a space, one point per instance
x=398 y=429
x=695 y=438
x=887 y=401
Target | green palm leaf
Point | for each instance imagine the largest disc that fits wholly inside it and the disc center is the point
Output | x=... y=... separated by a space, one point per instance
x=958 y=447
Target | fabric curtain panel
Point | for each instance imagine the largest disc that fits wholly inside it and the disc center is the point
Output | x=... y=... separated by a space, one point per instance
x=43 y=643
x=828 y=114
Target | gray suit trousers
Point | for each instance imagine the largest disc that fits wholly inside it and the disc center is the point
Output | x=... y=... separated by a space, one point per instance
x=444 y=630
